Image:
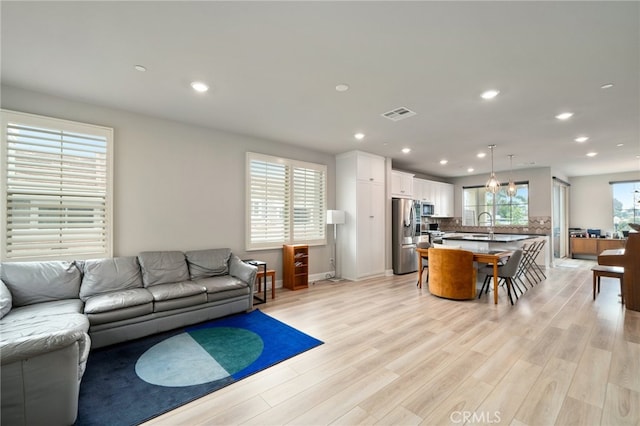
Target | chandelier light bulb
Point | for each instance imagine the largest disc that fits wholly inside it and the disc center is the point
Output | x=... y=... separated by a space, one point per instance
x=511 y=189
x=493 y=184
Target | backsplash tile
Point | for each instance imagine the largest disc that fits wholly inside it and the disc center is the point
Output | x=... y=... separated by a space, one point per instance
x=539 y=225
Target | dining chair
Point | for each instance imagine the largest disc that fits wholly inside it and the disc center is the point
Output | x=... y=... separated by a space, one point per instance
x=528 y=267
x=452 y=274
x=506 y=273
x=425 y=261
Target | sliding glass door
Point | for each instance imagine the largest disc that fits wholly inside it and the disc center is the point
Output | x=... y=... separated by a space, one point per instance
x=560 y=223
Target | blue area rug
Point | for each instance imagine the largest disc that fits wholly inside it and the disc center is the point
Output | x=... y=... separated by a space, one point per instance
x=131 y=382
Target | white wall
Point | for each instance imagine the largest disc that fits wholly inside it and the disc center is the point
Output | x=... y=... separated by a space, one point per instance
x=177 y=186
x=591 y=200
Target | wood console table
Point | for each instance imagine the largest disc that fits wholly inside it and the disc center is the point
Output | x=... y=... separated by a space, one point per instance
x=594 y=246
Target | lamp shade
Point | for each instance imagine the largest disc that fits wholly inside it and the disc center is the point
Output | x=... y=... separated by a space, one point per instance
x=335 y=217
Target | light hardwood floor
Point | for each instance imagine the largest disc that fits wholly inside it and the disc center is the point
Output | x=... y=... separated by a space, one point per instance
x=396 y=355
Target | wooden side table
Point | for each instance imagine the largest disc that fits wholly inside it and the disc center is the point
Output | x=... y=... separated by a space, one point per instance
x=269 y=273
x=259 y=277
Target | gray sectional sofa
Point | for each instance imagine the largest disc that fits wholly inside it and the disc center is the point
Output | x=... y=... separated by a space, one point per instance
x=53 y=312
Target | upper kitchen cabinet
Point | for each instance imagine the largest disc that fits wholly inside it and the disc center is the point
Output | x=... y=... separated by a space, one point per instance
x=370 y=168
x=422 y=190
x=442 y=199
x=401 y=184
x=439 y=194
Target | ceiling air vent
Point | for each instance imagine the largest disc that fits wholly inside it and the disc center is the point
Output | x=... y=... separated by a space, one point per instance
x=399 y=114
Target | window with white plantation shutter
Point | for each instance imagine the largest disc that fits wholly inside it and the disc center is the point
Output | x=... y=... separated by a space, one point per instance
x=286 y=202
x=56 y=188
x=308 y=204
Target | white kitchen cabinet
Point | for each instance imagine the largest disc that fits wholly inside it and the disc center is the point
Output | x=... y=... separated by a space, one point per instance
x=370 y=167
x=439 y=194
x=423 y=190
x=401 y=184
x=443 y=199
x=361 y=240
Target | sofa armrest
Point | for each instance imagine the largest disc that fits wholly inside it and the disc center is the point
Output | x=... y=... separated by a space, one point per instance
x=30 y=337
x=32 y=346
x=243 y=271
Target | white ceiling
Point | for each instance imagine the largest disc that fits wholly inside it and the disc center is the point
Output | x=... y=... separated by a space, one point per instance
x=273 y=68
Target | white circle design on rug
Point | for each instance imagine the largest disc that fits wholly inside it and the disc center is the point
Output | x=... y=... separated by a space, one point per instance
x=198 y=357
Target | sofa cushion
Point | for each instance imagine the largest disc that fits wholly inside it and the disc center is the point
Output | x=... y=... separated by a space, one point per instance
x=221 y=284
x=224 y=287
x=132 y=312
x=199 y=299
x=208 y=263
x=117 y=300
x=175 y=291
x=5 y=300
x=162 y=267
x=167 y=297
x=35 y=282
x=102 y=276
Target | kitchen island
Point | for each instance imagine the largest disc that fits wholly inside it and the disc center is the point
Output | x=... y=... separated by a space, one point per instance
x=479 y=243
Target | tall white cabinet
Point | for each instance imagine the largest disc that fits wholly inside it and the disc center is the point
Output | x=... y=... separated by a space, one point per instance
x=360 y=192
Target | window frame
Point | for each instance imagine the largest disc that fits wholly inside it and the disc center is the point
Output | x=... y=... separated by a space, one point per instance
x=635 y=201
x=289 y=236
x=503 y=192
x=8 y=117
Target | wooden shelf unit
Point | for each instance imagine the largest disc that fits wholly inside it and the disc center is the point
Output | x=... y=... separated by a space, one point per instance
x=594 y=246
x=295 y=266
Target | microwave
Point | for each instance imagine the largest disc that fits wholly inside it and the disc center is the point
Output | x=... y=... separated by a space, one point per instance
x=427 y=209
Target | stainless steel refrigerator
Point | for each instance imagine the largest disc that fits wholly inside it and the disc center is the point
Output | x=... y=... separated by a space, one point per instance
x=404 y=235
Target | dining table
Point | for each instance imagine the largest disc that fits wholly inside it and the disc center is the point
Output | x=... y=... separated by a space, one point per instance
x=491 y=257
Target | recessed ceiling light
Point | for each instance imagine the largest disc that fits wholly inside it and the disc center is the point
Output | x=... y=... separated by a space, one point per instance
x=199 y=86
x=342 y=87
x=359 y=136
x=470 y=169
x=406 y=150
x=581 y=139
x=564 y=115
x=620 y=144
x=444 y=161
x=140 y=68
x=489 y=94
x=482 y=154
x=592 y=154
x=607 y=86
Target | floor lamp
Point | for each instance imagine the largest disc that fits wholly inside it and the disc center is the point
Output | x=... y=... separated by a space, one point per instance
x=335 y=217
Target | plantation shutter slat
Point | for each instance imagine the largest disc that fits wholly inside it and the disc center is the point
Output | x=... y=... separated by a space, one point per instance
x=57 y=195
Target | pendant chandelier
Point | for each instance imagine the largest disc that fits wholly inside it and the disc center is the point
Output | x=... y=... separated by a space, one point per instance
x=511 y=189
x=492 y=185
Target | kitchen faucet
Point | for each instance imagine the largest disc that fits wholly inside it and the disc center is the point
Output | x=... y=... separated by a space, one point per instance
x=490 y=223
